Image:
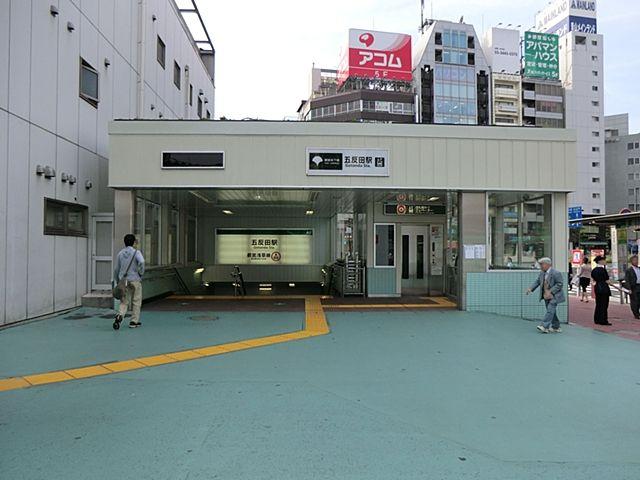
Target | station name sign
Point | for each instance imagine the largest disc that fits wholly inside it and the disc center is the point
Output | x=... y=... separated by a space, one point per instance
x=347 y=162
x=413 y=209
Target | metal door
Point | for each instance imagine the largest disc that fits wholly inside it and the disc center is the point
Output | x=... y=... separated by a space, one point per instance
x=414 y=266
x=101 y=251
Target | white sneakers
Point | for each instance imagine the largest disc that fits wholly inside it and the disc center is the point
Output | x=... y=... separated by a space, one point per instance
x=542 y=329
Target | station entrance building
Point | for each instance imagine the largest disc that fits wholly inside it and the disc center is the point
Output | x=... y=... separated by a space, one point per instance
x=377 y=209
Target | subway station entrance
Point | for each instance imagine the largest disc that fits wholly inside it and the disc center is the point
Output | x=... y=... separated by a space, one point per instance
x=350 y=211
x=339 y=242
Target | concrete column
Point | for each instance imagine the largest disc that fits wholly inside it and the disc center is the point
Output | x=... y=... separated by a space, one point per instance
x=560 y=231
x=473 y=231
x=123 y=215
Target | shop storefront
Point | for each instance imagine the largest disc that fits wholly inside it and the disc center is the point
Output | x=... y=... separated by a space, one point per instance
x=390 y=209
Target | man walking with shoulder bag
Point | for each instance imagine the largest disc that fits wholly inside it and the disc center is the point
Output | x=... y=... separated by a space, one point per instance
x=552 y=292
x=127 y=275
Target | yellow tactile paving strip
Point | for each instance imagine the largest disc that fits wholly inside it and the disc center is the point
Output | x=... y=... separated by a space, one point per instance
x=315 y=324
x=439 y=302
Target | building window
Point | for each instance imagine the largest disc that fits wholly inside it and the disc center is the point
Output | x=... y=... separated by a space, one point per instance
x=595 y=180
x=632 y=192
x=637 y=145
x=594 y=57
x=580 y=40
x=596 y=210
x=182 y=160
x=595 y=103
x=471 y=41
x=88 y=83
x=595 y=164
x=64 y=218
x=594 y=88
x=147 y=230
x=595 y=118
x=637 y=161
x=438 y=38
x=199 y=107
x=630 y=176
x=519 y=230
x=595 y=134
x=630 y=146
x=190 y=95
x=595 y=149
x=637 y=176
x=594 y=73
x=208 y=114
x=595 y=195
x=176 y=74
x=161 y=52
x=594 y=42
x=629 y=161
x=471 y=58
x=385 y=243
x=438 y=55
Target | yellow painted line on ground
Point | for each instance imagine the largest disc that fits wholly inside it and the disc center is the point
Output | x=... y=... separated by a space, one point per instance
x=388 y=306
x=315 y=324
x=87 y=372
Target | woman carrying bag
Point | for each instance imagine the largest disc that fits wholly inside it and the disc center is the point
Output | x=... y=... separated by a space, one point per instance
x=585 y=279
x=600 y=287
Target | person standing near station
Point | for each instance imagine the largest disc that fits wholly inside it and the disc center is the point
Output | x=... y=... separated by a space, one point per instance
x=585 y=279
x=130 y=266
x=601 y=290
x=632 y=279
x=552 y=292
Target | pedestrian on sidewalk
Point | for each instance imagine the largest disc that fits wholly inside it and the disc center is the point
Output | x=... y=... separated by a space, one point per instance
x=585 y=279
x=601 y=290
x=130 y=266
x=552 y=292
x=632 y=280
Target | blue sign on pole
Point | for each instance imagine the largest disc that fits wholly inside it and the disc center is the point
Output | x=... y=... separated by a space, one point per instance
x=575 y=213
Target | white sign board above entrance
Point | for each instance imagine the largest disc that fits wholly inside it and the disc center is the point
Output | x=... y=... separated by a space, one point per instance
x=347 y=162
x=263 y=246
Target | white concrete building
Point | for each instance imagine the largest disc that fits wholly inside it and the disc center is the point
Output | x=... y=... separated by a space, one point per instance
x=582 y=75
x=67 y=68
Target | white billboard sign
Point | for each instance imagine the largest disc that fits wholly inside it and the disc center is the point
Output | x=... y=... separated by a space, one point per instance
x=502 y=48
x=563 y=15
x=347 y=161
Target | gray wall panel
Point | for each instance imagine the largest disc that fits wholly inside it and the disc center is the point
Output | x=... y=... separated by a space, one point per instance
x=4 y=144
x=17 y=212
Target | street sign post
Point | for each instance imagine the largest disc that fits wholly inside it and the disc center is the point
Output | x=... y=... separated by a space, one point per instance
x=575 y=213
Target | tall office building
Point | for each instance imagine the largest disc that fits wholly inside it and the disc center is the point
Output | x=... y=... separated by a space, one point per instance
x=68 y=68
x=451 y=75
x=582 y=75
x=622 y=154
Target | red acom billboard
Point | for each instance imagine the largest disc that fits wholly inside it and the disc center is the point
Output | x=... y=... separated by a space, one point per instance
x=377 y=55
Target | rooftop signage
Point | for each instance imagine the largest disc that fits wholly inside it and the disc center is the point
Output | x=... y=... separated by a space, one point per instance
x=377 y=55
x=562 y=16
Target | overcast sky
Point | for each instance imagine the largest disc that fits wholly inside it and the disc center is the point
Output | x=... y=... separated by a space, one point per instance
x=265 y=49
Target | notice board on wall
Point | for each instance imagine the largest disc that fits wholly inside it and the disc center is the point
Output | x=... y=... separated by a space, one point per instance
x=279 y=246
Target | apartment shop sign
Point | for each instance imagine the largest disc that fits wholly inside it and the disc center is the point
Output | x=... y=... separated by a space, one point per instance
x=347 y=162
x=541 y=55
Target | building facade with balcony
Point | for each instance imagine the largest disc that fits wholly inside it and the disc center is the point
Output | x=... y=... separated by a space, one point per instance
x=542 y=103
x=506 y=99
